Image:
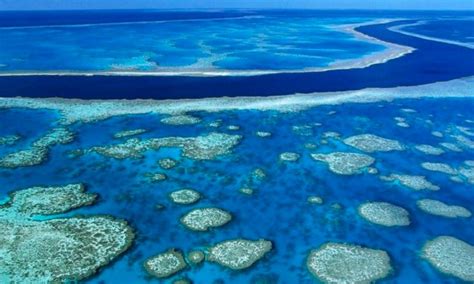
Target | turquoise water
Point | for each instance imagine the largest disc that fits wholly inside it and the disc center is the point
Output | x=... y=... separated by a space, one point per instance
x=245 y=41
x=278 y=210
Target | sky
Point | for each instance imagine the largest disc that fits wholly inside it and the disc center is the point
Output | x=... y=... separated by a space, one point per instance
x=253 y=4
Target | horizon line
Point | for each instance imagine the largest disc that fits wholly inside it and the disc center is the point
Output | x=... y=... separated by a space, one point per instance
x=233 y=9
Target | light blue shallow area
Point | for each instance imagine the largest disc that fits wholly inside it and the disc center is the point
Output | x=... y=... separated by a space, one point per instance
x=247 y=42
x=278 y=211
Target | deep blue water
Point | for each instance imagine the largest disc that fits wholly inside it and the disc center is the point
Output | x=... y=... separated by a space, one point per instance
x=431 y=62
x=461 y=30
x=278 y=211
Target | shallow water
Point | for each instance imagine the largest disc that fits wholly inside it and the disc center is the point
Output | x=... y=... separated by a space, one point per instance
x=278 y=210
x=235 y=41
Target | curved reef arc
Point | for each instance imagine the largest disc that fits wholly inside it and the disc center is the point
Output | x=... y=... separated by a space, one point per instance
x=417 y=67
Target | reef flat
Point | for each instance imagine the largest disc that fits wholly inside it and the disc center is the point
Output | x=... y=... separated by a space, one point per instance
x=451 y=256
x=439 y=208
x=239 y=254
x=343 y=263
x=200 y=148
x=385 y=214
x=56 y=250
x=38 y=152
x=203 y=219
x=345 y=163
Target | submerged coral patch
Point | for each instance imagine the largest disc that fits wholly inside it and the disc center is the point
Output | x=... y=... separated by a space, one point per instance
x=451 y=256
x=196 y=257
x=56 y=250
x=38 y=152
x=50 y=200
x=240 y=253
x=206 y=147
x=128 y=133
x=439 y=167
x=451 y=147
x=429 y=150
x=345 y=163
x=385 y=214
x=167 y=163
x=289 y=157
x=183 y=119
x=344 y=263
x=263 y=134
x=203 y=219
x=156 y=177
x=185 y=196
x=413 y=182
x=439 y=208
x=372 y=143
x=165 y=264
x=9 y=139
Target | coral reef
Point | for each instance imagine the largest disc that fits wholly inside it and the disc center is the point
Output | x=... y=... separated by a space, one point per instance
x=128 y=133
x=451 y=256
x=50 y=200
x=240 y=253
x=183 y=119
x=385 y=214
x=345 y=163
x=206 y=147
x=38 y=152
x=203 y=219
x=439 y=167
x=9 y=140
x=167 y=163
x=429 y=150
x=185 y=196
x=289 y=157
x=439 y=208
x=165 y=264
x=372 y=143
x=413 y=182
x=344 y=263
x=56 y=250
x=196 y=256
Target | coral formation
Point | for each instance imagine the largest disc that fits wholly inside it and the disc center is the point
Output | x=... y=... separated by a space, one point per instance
x=167 y=163
x=289 y=157
x=240 y=253
x=344 y=263
x=429 y=150
x=56 y=250
x=372 y=143
x=345 y=163
x=128 y=133
x=183 y=119
x=451 y=256
x=203 y=219
x=439 y=208
x=165 y=264
x=206 y=147
x=38 y=152
x=185 y=196
x=385 y=214
x=413 y=182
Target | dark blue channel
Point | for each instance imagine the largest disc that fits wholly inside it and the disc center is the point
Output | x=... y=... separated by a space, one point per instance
x=431 y=62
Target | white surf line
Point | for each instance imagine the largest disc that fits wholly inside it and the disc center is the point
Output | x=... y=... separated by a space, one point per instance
x=80 y=110
x=399 y=29
x=391 y=52
x=132 y=23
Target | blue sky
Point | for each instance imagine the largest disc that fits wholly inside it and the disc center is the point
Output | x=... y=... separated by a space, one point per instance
x=175 y=4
